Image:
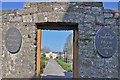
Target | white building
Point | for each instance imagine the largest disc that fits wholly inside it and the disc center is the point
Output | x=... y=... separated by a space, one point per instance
x=50 y=54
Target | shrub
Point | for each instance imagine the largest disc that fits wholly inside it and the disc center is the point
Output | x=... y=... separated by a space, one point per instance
x=43 y=55
x=65 y=66
x=42 y=66
x=44 y=58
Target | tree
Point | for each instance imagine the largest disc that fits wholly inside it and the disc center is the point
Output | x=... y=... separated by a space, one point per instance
x=45 y=49
x=69 y=42
x=68 y=46
x=43 y=55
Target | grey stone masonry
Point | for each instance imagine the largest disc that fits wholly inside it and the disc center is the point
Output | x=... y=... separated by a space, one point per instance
x=90 y=17
x=0 y=42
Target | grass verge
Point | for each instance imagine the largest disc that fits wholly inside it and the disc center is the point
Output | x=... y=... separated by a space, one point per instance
x=65 y=66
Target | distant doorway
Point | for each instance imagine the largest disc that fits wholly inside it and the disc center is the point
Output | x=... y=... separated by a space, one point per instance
x=58 y=26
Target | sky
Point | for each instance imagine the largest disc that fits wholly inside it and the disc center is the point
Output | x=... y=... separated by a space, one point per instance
x=54 y=39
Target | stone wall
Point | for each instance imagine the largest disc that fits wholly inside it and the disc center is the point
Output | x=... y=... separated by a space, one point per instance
x=0 y=41
x=91 y=63
x=21 y=64
x=90 y=16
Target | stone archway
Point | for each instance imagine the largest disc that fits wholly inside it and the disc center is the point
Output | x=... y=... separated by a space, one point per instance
x=58 y=26
x=88 y=16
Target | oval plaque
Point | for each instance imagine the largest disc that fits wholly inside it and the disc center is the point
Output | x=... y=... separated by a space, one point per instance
x=106 y=42
x=13 y=40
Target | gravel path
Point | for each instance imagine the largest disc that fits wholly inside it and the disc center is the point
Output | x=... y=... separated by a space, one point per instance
x=54 y=70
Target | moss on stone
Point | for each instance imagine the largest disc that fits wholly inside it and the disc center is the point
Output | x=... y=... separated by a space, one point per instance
x=29 y=36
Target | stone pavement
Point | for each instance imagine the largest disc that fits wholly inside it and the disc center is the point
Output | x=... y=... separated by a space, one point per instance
x=54 y=70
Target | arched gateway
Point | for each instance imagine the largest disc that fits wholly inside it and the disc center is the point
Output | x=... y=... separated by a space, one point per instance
x=85 y=18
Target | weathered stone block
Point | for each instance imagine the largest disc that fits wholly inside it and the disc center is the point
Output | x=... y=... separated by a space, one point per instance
x=0 y=17
x=88 y=10
x=0 y=35
x=88 y=3
x=0 y=24
x=0 y=38
x=110 y=21
x=45 y=8
x=15 y=19
x=97 y=4
x=68 y=18
x=111 y=10
x=59 y=17
x=73 y=17
x=108 y=15
x=97 y=10
x=100 y=20
x=27 y=18
x=26 y=5
x=60 y=8
x=45 y=4
x=86 y=63
x=5 y=18
x=7 y=12
x=89 y=18
x=35 y=17
x=75 y=9
x=117 y=15
x=26 y=11
x=85 y=67
x=42 y=17
x=65 y=17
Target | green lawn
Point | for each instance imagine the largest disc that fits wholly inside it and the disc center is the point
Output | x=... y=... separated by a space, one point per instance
x=65 y=66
